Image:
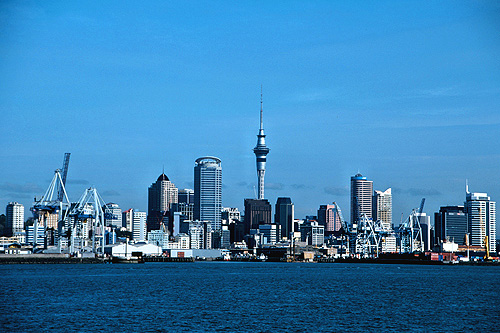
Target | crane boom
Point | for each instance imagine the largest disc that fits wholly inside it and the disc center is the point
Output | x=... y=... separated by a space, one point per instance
x=64 y=174
x=421 y=208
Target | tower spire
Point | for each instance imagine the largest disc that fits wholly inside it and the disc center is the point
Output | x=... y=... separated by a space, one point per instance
x=260 y=152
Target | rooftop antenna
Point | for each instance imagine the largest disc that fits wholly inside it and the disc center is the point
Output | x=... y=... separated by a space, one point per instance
x=466 y=186
x=163 y=170
x=261 y=123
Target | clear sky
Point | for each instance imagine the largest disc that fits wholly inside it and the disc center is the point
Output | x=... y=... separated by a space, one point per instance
x=407 y=93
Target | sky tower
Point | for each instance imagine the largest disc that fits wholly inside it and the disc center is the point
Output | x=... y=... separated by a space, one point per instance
x=260 y=153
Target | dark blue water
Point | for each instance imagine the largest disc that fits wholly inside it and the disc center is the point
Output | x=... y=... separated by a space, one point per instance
x=248 y=297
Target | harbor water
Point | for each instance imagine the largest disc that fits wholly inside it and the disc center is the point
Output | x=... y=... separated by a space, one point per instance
x=248 y=297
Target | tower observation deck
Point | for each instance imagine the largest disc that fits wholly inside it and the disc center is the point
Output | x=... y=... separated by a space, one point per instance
x=260 y=152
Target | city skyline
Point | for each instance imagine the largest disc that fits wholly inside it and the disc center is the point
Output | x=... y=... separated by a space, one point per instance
x=409 y=98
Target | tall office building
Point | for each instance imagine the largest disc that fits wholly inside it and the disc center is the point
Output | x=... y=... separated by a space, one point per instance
x=208 y=190
x=450 y=223
x=161 y=195
x=382 y=207
x=261 y=152
x=284 y=216
x=481 y=219
x=139 y=229
x=361 y=197
x=113 y=215
x=329 y=218
x=14 y=218
x=186 y=196
x=257 y=212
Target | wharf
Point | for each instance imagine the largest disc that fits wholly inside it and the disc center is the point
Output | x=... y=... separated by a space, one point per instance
x=47 y=259
x=168 y=259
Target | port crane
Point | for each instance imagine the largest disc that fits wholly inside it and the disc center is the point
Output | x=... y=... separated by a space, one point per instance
x=54 y=202
x=87 y=221
x=410 y=232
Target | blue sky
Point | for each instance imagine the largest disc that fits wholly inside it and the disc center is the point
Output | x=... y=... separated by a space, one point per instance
x=408 y=93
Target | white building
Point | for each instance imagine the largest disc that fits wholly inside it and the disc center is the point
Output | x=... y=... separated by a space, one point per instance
x=40 y=235
x=481 y=219
x=382 y=207
x=113 y=215
x=139 y=227
x=14 y=218
x=126 y=250
x=159 y=238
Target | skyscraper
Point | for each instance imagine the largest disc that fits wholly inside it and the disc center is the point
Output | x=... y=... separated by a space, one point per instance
x=382 y=207
x=481 y=219
x=14 y=218
x=329 y=218
x=361 y=197
x=161 y=194
x=257 y=212
x=450 y=222
x=284 y=216
x=260 y=152
x=208 y=190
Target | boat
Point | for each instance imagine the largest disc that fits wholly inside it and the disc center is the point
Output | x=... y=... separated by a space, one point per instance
x=127 y=260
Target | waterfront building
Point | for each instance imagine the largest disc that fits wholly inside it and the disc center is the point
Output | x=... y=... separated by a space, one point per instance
x=208 y=190
x=14 y=218
x=425 y=226
x=284 y=216
x=312 y=233
x=127 y=219
x=161 y=195
x=481 y=219
x=186 y=196
x=261 y=152
x=159 y=238
x=200 y=234
x=270 y=233
x=139 y=227
x=329 y=218
x=450 y=223
x=40 y=235
x=257 y=212
x=382 y=208
x=113 y=215
x=361 y=197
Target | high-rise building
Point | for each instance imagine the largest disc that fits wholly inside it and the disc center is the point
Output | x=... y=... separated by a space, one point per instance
x=329 y=218
x=425 y=226
x=257 y=212
x=14 y=218
x=450 y=223
x=284 y=216
x=128 y=219
x=139 y=229
x=208 y=190
x=261 y=152
x=361 y=197
x=186 y=196
x=481 y=219
x=161 y=195
x=382 y=207
x=113 y=215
